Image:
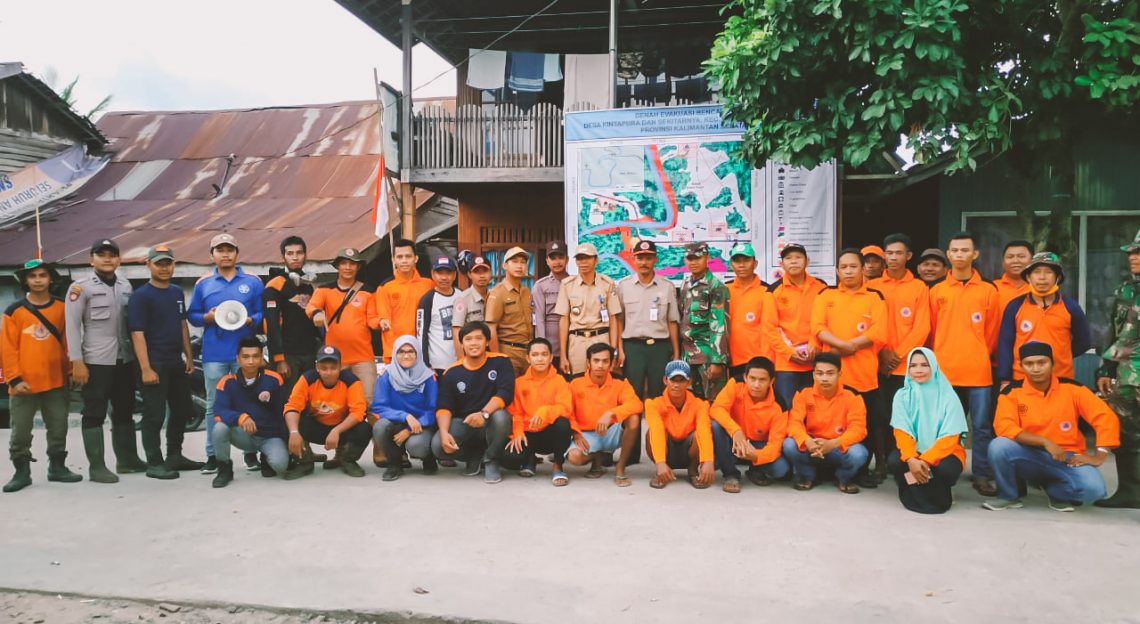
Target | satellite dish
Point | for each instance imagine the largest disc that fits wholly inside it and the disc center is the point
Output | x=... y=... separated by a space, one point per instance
x=230 y=315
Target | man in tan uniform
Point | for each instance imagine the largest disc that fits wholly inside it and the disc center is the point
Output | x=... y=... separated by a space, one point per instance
x=510 y=312
x=588 y=305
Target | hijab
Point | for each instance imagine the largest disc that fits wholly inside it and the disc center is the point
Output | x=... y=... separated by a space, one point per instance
x=930 y=410
x=406 y=380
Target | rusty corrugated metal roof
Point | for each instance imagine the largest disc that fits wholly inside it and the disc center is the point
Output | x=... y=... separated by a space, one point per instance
x=307 y=170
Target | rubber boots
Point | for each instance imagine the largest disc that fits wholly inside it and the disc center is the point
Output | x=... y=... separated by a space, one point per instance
x=22 y=478
x=126 y=449
x=1127 y=494
x=58 y=471
x=349 y=454
x=93 y=445
x=225 y=474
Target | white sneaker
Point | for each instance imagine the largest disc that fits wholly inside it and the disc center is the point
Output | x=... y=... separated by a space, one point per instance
x=1000 y=504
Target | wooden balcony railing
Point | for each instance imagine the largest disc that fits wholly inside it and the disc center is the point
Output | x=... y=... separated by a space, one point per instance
x=502 y=137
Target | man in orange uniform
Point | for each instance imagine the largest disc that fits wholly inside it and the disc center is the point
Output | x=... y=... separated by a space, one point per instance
x=397 y=299
x=750 y=424
x=788 y=326
x=748 y=299
x=1011 y=284
x=1042 y=315
x=908 y=316
x=605 y=416
x=932 y=266
x=679 y=432
x=347 y=311
x=874 y=261
x=825 y=426
x=964 y=319
x=540 y=414
x=326 y=405
x=851 y=320
x=1040 y=440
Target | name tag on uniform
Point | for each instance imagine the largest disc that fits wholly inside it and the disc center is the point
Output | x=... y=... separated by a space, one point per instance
x=533 y=319
x=653 y=314
x=605 y=315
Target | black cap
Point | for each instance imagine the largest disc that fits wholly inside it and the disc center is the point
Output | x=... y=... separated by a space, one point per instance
x=790 y=247
x=104 y=243
x=1031 y=349
x=556 y=247
x=644 y=247
x=328 y=353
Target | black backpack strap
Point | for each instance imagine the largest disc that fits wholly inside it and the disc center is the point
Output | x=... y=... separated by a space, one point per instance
x=52 y=329
x=348 y=296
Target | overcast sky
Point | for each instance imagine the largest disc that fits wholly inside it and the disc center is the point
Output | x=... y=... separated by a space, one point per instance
x=157 y=55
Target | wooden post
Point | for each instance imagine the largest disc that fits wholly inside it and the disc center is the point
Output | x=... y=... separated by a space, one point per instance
x=407 y=191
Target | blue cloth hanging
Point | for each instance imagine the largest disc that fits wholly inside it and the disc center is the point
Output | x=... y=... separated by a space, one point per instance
x=527 y=70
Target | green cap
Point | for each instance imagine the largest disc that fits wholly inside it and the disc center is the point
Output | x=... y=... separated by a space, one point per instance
x=1133 y=246
x=159 y=252
x=742 y=249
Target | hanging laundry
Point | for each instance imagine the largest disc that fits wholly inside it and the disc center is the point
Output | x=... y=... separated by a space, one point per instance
x=587 y=82
x=526 y=71
x=551 y=69
x=486 y=69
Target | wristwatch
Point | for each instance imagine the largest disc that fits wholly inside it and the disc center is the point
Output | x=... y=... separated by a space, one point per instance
x=1103 y=450
x=485 y=414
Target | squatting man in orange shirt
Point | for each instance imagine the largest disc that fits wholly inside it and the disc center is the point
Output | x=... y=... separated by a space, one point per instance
x=679 y=431
x=749 y=425
x=605 y=416
x=540 y=415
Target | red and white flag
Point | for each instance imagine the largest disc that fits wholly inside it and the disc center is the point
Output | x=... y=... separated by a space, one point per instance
x=380 y=209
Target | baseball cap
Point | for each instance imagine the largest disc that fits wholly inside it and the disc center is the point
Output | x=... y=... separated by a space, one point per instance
x=1134 y=245
x=328 y=353
x=443 y=263
x=693 y=250
x=644 y=247
x=515 y=251
x=1045 y=258
x=224 y=238
x=873 y=250
x=347 y=253
x=556 y=247
x=742 y=249
x=479 y=262
x=790 y=247
x=104 y=243
x=585 y=249
x=934 y=252
x=159 y=252
x=677 y=368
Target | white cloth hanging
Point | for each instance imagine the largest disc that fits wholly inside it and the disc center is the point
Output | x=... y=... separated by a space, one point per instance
x=486 y=69
x=587 y=82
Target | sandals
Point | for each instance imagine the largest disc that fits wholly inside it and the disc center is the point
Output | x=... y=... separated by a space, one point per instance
x=803 y=485
x=848 y=488
x=731 y=486
x=621 y=480
x=657 y=484
x=695 y=482
x=559 y=479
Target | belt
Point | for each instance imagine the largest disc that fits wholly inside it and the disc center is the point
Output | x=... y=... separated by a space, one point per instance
x=589 y=333
x=518 y=345
x=645 y=341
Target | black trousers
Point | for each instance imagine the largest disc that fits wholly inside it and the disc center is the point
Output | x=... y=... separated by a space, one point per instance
x=932 y=497
x=880 y=442
x=315 y=432
x=112 y=384
x=173 y=391
x=554 y=439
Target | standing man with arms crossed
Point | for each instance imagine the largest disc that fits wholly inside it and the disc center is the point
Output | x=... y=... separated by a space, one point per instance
x=220 y=346
x=704 y=326
x=292 y=337
x=964 y=318
x=748 y=302
x=789 y=325
x=510 y=313
x=103 y=362
x=588 y=306
x=545 y=295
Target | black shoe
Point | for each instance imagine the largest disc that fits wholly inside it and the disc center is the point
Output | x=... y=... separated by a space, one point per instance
x=211 y=465
x=300 y=469
x=161 y=471
x=431 y=466
x=251 y=463
x=867 y=481
x=180 y=463
x=225 y=474
x=267 y=471
x=758 y=477
x=391 y=473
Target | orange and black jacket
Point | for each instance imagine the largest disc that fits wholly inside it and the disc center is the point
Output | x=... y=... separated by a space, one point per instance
x=31 y=353
x=288 y=328
x=328 y=406
x=1061 y=324
x=1054 y=414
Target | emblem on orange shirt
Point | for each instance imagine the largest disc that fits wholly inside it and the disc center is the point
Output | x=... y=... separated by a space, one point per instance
x=861 y=327
x=324 y=408
x=976 y=317
x=905 y=312
x=1026 y=326
x=356 y=301
x=37 y=331
x=839 y=429
x=750 y=317
x=1066 y=425
x=1022 y=409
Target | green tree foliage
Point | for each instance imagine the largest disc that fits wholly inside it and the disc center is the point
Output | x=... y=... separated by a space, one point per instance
x=816 y=80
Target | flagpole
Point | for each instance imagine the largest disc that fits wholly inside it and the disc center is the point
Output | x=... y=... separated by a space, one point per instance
x=386 y=183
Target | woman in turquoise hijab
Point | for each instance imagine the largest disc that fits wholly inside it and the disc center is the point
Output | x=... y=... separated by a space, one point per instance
x=929 y=423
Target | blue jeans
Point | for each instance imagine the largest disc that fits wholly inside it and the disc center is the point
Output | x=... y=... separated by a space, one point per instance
x=846 y=464
x=726 y=461
x=213 y=373
x=275 y=450
x=978 y=402
x=1013 y=461
x=788 y=383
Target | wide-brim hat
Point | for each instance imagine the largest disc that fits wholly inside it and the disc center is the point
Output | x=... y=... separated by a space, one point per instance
x=35 y=263
x=1045 y=258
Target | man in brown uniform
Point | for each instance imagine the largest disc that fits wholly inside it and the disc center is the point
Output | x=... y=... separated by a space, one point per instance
x=588 y=306
x=545 y=294
x=510 y=312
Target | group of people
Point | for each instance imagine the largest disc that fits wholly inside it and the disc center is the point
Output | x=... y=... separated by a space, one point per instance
x=871 y=377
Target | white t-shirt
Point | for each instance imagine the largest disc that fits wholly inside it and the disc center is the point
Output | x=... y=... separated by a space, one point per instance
x=441 y=349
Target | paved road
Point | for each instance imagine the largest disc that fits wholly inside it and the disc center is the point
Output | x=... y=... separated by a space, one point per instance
x=523 y=551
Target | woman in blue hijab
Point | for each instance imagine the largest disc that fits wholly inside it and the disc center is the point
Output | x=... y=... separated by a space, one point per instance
x=929 y=423
x=404 y=403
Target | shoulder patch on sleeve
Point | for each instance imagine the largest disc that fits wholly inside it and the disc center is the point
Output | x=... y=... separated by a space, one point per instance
x=16 y=305
x=877 y=292
x=1011 y=386
x=311 y=376
x=74 y=292
x=774 y=285
x=276 y=283
x=348 y=377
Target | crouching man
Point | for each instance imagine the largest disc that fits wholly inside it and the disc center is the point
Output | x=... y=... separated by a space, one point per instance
x=247 y=414
x=327 y=407
x=750 y=425
x=541 y=415
x=679 y=432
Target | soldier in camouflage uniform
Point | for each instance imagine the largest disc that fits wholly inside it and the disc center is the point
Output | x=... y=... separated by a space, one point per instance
x=1122 y=361
x=704 y=328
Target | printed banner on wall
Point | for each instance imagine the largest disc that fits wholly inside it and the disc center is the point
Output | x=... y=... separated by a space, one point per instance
x=36 y=185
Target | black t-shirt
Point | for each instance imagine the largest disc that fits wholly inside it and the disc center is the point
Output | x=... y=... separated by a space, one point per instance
x=158 y=314
x=463 y=391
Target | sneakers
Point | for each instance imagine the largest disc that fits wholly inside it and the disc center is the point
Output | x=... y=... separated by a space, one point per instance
x=1000 y=504
x=211 y=465
x=527 y=470
x=474 y=468
x=491 y=473
x=251 y=463
x=1057 y=504
x=391 y=473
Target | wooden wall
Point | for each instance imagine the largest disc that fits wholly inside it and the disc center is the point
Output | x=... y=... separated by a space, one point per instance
x=502 y=216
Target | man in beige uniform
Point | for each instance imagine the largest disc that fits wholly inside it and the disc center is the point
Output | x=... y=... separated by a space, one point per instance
x=471 y=304
x=510 y=312
x=588 y=306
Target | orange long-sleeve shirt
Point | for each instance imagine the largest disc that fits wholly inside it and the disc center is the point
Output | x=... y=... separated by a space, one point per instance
x=789 y=324
x=547 y=397
x=760 y=420
x=397 y=301
x=663 y=420
x=908 y=313
x=842 y=417
x=352 y=332
x=329 y=406
x=964 y=320
x=746 y=306
x=30 y=352
x=1053 y=415
x=849 y=314
x=590 y=401
x=941 y=449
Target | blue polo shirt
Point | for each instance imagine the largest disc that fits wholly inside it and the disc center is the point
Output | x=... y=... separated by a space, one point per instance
x=220 y=345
